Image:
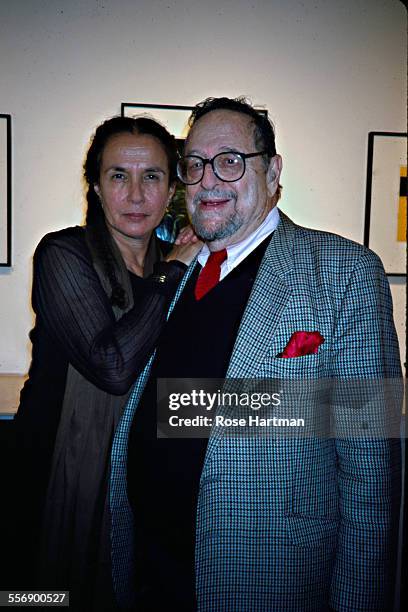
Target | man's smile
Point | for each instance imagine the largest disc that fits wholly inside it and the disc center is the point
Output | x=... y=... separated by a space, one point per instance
x=207 y=204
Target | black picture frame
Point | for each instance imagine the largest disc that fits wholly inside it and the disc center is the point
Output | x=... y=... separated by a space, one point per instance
x=386 y=192
x=168 y=114
x=174 y=117
x=5 y=190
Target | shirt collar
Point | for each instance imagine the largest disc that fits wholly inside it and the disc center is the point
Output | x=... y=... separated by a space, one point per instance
x=238 y=251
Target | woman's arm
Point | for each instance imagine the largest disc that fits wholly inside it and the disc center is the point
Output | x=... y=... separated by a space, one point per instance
x=71 y=302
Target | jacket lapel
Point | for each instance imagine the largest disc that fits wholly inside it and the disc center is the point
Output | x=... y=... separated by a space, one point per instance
x=181 y=286
x=266 y=305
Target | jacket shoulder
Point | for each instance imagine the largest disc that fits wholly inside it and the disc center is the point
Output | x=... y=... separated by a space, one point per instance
x=329 y=246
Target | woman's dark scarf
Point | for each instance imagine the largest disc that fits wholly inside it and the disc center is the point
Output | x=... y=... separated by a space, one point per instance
x=76 y=532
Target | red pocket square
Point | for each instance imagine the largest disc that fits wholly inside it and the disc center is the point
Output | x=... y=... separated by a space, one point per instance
x=302 y=343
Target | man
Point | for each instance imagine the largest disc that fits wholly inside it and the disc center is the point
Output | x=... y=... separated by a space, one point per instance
x=261 y=523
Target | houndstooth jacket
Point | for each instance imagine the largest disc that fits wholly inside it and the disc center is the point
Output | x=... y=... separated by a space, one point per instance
x=301 y=523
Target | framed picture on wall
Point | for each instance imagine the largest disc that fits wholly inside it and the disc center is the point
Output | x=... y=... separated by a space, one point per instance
x=174 y=118
x=5 y=190
x=385 y=228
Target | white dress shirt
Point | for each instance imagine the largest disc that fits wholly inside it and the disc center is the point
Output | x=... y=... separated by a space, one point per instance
x=238 y=251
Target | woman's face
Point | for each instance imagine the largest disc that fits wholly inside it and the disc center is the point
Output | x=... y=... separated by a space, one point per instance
x=133 y=184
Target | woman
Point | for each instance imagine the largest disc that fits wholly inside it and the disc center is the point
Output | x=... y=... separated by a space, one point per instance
x=100 y=294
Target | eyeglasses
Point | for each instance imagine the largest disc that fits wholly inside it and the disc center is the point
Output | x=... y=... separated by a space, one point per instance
x=228 y=166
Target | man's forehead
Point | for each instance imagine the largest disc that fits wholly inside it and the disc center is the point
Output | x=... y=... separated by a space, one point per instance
x=220 y=126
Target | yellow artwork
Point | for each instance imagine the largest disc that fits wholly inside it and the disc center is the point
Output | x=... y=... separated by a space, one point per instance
x=402 y=206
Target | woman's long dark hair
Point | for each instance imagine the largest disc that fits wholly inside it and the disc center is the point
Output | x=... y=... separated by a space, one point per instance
x=95 y=217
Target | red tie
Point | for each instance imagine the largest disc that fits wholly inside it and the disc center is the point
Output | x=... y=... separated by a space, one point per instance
x=210 y=274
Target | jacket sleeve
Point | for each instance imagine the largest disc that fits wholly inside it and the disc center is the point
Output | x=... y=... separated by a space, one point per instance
x=366 y=400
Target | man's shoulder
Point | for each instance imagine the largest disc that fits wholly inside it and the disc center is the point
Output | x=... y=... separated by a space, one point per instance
x=326 y=245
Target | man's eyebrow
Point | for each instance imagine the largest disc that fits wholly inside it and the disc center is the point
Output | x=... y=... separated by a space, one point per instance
x=222 y=150
x=194 y=152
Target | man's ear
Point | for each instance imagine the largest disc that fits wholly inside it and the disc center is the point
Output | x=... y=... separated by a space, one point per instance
x=273 y=174
x=172 y=191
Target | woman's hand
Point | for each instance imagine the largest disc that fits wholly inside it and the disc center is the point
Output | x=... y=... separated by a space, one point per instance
x=186 y=246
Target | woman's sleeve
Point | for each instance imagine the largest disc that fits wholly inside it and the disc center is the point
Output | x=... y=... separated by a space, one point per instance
x=72 y=304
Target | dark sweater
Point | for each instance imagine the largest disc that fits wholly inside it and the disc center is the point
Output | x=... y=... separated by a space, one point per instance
x=164 y=474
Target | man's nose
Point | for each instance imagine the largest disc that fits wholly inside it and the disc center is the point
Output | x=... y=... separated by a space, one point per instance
x=209 y=180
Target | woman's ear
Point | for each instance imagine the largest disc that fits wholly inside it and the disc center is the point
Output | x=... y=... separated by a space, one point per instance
x=98 y=193
x=273 y=174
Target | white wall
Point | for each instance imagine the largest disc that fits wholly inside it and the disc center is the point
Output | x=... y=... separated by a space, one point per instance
x=329 y=71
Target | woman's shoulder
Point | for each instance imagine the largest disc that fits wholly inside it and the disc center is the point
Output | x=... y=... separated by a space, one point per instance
x=69 y=241
x=66 y=236
x=69 y=238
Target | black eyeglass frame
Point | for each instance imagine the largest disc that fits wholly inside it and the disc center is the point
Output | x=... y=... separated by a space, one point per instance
x=206 y=161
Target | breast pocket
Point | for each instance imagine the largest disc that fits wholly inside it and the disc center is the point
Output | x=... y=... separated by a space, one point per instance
x=308 y=366
x=303 y=388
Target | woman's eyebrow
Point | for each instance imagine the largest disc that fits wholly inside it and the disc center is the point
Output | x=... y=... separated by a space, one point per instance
x=154 y=169
x=116 y=168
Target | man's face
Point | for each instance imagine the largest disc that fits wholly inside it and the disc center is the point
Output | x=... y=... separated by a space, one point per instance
x=224 y=213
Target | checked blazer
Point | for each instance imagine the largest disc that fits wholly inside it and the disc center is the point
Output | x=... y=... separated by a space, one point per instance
x=293 y=524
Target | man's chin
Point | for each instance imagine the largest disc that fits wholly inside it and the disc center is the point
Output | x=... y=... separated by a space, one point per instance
x=210 y=232
x=213 y=234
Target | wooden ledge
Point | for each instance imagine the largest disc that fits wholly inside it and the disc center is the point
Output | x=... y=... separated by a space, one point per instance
x=10 y=387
